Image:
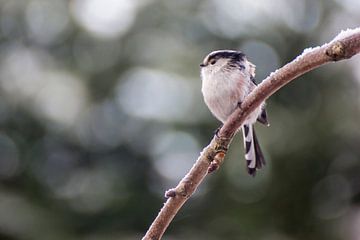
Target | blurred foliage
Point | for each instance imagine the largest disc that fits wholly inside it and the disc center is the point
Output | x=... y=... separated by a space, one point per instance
x=101 y=112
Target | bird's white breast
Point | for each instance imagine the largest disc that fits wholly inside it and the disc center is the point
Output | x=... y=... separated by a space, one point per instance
x=223 y=90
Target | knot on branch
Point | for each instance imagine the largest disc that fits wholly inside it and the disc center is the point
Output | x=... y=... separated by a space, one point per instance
x=221 y=144
x=218 y=160
x=336 y=51
x=182 y=190
x=220 y=149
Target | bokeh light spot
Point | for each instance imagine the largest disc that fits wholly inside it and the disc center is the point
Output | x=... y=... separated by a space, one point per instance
x=174 y=153
x=156 y=95
x=88 y=190
x=47 y=21
x=105 y=18
x=262 y=55
x=55 y=94
x=331 y=197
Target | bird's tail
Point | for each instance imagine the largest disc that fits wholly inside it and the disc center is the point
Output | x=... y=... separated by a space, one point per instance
x=253 y=155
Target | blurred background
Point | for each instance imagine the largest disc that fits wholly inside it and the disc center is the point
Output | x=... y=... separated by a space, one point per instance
x=101 y=112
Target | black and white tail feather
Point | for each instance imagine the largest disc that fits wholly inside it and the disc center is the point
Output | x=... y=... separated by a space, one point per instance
x=253 y=154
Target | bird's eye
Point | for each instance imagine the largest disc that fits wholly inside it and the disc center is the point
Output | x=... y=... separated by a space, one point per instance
x=212 y=61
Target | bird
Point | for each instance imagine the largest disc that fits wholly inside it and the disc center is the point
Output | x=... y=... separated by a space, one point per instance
x=227 y=78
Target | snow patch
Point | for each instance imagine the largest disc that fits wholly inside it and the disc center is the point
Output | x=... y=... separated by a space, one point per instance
x=343 y=34
x=346 y=33
x=306 y=51
x=273 y=73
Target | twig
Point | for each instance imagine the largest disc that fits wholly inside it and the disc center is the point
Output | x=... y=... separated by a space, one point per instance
x=344 y=46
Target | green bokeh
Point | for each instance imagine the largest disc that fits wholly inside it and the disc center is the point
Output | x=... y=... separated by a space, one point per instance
x=101 y=112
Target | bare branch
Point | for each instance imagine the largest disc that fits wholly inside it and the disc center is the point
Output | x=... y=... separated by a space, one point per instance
x=344 y=46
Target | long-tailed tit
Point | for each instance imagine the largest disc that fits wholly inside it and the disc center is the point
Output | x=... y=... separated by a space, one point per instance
x=227 y=78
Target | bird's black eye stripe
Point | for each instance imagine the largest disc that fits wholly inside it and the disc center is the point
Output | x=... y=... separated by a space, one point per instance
x=235 y=58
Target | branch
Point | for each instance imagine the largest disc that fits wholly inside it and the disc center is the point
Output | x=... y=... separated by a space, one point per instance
x=343 y=46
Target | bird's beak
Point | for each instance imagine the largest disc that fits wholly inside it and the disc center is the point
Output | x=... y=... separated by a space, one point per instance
x=202 y=65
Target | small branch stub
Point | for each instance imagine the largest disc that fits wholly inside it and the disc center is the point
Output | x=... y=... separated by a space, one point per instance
x=336 y=51
x=170 y=193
